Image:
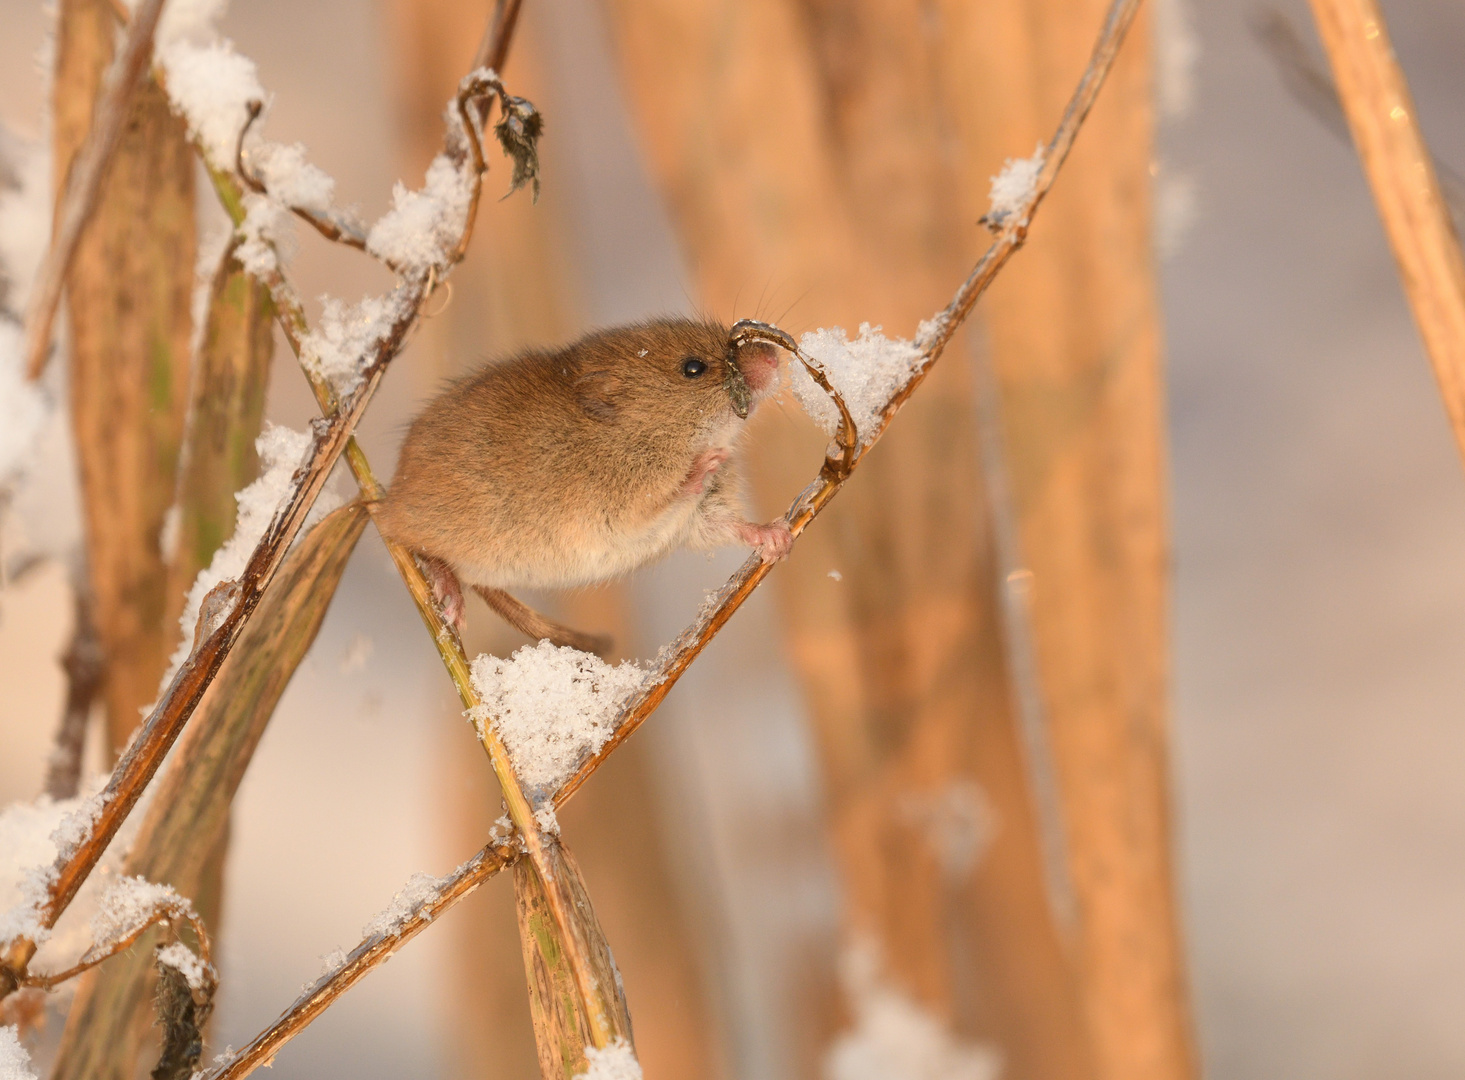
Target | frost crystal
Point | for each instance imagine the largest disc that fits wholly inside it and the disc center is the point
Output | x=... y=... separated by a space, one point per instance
x=15 y=1063
x=281 y=452
x=422 y=227
x=1014 y=186
x=181 y=957
x=420 y=889
x=553 y=707
x=129 y=903
x=616 y=1062
x=346 y=334
x=894 y=1038
x=867 y=372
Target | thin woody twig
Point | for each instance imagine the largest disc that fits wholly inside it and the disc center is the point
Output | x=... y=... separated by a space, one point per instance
x=493 y=49
x=680 y=653
x=84 y=182
x=165 y=913
x=370 y=953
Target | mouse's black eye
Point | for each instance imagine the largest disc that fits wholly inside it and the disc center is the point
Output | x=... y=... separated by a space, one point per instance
x=693 y=368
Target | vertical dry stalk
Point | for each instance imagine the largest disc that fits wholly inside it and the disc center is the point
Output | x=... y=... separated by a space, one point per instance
x=129 y=288
x=1385 y=128
x=86 y=173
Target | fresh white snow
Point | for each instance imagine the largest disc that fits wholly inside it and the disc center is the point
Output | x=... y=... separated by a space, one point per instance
x=552 y=706
x=867 y=372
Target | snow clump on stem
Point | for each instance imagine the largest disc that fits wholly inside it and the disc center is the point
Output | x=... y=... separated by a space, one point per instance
x=1013 y=189
x=552 y=706
x=616 y=1062
x=867 y=373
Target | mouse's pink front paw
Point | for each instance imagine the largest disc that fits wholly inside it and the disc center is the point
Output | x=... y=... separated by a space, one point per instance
x=707 y=463
x=774 y=541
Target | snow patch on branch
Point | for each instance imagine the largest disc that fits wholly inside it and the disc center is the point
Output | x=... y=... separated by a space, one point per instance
x=552 y=706
x=894 y=1037
x=1013 y=189
x=867 y=372
x=341 y=345
x=15 y=1062
x=182 y=959
x=293 y=180
x=421 y=888
x=211 y=86
x=127 y=906
x=616 y=1062
x=33 y=838
x=281 y=454
x=422 y=227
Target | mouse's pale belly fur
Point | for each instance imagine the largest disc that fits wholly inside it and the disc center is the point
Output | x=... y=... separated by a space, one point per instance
x=584 y=554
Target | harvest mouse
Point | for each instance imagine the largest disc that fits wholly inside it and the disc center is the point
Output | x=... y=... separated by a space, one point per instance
x=564 y=467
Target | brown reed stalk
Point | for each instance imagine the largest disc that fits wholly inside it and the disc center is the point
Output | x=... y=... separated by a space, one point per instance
x=1406 y=190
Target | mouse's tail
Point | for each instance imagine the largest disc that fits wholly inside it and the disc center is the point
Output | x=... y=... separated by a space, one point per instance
x=528 y=621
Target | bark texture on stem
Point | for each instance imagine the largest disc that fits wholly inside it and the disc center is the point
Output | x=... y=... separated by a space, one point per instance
x=129 y=289
x=1385 y=127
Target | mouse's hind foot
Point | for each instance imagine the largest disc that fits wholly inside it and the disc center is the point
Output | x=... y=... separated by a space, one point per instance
x=445 y=590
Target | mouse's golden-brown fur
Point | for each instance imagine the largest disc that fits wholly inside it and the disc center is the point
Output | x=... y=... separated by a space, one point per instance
x=566 y=467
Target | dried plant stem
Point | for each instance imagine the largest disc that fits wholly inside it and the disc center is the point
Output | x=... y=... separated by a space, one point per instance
x=493 y=50
x=1401 y=172
x=84 y=182
x=680 y=653
x=1313 y=87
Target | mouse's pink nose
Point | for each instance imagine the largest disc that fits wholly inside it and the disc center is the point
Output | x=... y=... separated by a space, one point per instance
x=759 y=363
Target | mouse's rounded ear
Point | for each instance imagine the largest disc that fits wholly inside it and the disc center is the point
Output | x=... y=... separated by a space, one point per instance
x=596 y=393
